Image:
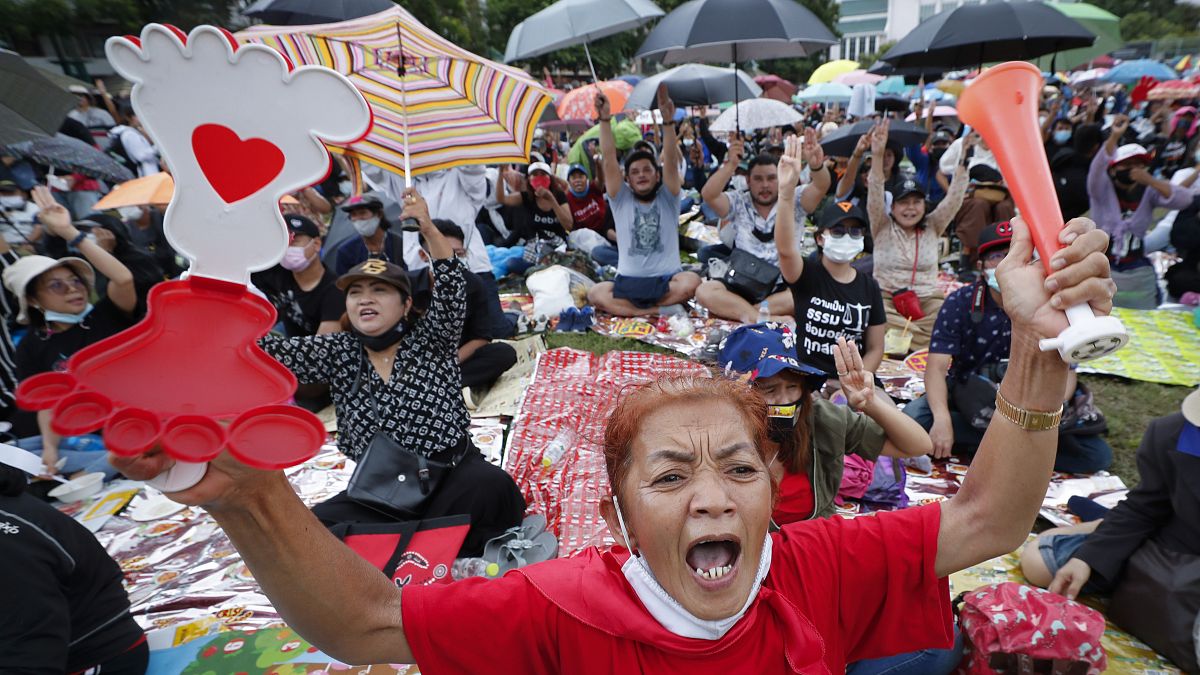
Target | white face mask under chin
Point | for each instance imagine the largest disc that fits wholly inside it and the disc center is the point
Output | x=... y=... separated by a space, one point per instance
x=667 y=610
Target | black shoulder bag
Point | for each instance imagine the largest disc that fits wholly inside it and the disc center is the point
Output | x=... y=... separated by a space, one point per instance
x=750 y=277
x=392 y=479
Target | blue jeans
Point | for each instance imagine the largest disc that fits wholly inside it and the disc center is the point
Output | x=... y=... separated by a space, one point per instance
x=83 y=453
x=1057 y=549
x=1077 y=453
x=605 y=254
x=924 y=662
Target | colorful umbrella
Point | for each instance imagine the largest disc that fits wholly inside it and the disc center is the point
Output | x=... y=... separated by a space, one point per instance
x=447 y=105
x=580 y=103
x=71 y=155
x=857 y=76
x=826 y=72
x=1173 y=90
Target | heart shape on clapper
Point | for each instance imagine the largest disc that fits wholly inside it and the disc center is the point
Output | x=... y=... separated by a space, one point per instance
x=236 y=168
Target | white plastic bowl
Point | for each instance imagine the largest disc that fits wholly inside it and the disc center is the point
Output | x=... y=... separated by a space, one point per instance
x=80 y=488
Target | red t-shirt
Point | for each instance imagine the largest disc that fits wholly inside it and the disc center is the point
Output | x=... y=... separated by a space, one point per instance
x=589 y=210
x=839 y=591
x=795 y=499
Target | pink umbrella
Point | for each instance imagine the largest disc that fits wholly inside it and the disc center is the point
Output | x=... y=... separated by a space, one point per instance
x=938 y=111
x=858 y=77
x=775 y=81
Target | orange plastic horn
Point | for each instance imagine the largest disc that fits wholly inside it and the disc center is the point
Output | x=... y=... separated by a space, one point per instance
x=1002 y=105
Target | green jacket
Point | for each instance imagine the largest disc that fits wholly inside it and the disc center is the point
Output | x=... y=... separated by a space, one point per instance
x=837 y=432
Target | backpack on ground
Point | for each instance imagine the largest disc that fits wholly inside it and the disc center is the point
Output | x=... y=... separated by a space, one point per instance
x=1014 y=628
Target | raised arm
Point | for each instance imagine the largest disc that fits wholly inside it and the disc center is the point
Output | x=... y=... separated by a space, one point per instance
x=791 y=262
x=905 y=438
x=671 y=156
x=613 y=180
x=1119 y=126
x=713 y=191
x=993 y=512
x=846 y=184
x=57 y=220
x=507 y=192
x=819 y=178
x=876 y=203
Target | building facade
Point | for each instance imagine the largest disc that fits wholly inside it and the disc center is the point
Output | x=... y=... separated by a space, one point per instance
x=866 y=25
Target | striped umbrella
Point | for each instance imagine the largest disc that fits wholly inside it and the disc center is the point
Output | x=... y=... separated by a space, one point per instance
x=447 y=106
x=580 y=103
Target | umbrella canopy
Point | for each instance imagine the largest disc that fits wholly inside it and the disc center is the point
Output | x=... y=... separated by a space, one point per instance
x=828 y=72
x=858 y=76
x=756 y=113
x=1105 y=25
x=461 y=108
x=827 y=92
x=892 y=102
x=568 y=23
x=71 y=155
x=580 y=103
x=31 y=106
x=1172 y=90
x=841 y=143
x=1088 y=76
x=625 y=133
x=972 y=35
x=153 y=190
x=694 y=84
x=304 y=12
x=550 y=120
x=937 y=111
x=769 y=81
x=729 y=31
x=1129 y=72
x=893 y=85
x=631 y=79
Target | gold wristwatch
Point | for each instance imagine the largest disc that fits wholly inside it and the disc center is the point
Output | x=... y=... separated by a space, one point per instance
x=1029 y=420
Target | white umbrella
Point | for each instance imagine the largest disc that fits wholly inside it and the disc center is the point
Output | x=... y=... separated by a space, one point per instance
x=567 y=23
x=756 y=113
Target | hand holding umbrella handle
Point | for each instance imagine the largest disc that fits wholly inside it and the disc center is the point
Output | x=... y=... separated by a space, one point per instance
x=1002 y=105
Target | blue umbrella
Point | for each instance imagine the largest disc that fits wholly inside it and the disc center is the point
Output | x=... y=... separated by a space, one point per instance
x=1129 y=72
x=825 y=92
x=893 y=85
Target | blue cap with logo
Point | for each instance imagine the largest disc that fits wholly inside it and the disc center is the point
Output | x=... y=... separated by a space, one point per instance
x=763 y=350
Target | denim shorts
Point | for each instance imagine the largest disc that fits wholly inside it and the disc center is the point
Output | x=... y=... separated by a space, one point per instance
x=643 y=292
x=1057 y=549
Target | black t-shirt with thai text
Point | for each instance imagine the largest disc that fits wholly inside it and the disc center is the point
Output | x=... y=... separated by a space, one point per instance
x=827 y=309
x=301 y=311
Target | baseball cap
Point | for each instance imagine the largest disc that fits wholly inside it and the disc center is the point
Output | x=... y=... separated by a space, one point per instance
x=982 y=173
x=539 y=166
x=369 y=200
x=298 y=224
x=994 y=236
x=577 y=168
x=378 y=270
x=905 y=188
x=1130 y=151
x=20 y=274
x=943 y=135
x=9 y=185
x=839 y=212
x=764 y=350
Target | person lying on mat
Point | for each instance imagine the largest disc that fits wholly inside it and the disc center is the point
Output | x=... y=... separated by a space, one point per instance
x=645 y=208
x=697 y=584
x=395 y=377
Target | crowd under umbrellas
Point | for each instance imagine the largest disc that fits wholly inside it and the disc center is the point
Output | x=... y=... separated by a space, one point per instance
x=531 y=205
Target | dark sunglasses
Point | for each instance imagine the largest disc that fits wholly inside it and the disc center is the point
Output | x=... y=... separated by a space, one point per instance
x=855 y=231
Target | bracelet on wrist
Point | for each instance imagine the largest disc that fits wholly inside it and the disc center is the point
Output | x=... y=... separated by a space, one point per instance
x=1029 y=420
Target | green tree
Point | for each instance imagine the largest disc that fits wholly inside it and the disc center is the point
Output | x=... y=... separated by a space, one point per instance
x=870 y=59
x=1153 y=19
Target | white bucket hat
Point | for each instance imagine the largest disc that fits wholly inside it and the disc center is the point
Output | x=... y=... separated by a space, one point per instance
x=1191 y=408
x=20 y=274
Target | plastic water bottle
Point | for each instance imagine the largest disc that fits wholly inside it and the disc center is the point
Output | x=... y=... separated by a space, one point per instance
x=764 y=312
x=465 y=568
x=557 y=448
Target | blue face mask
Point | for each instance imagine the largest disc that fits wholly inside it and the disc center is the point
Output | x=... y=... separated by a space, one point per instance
x=581 y=194
x=991 y=280
x=62 y=317
x=1061 y=137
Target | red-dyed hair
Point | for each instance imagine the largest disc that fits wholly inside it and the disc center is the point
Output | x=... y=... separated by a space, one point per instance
x=625 y=422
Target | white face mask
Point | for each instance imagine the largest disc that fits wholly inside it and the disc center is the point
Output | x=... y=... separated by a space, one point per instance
x=992 y=283
x=130 y=212
x=667 y=610
x=345 y=187
x=842 y=249
x=12 y=202
x=366 y=227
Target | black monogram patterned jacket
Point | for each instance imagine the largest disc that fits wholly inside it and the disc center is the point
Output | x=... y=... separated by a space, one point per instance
x=422 y=405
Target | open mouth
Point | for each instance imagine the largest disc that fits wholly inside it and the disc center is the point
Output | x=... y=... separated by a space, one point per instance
x=367 y=314
x=714 y=559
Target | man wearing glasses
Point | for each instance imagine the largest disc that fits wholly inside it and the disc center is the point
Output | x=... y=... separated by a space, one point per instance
x=968 y=354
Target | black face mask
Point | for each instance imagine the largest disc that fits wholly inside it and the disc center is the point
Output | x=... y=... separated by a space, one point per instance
x=1123 y=176
x=378 y=343
x=780 y=428
x=936 y=155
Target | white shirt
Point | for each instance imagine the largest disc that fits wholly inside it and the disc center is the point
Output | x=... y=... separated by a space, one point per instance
x=954 y=154
x=139 y=148
x=92 y=118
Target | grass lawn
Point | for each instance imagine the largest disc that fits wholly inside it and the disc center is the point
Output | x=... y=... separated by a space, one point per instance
x=1128 y=405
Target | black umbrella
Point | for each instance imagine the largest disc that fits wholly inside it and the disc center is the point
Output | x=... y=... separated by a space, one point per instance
x=841 y=143
x=730 y=31
x=71 y=155
x=694 y=84
x=972 y=35
x=31 y=106
x=891 y=102
x=303 y=12
x=911 y=75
